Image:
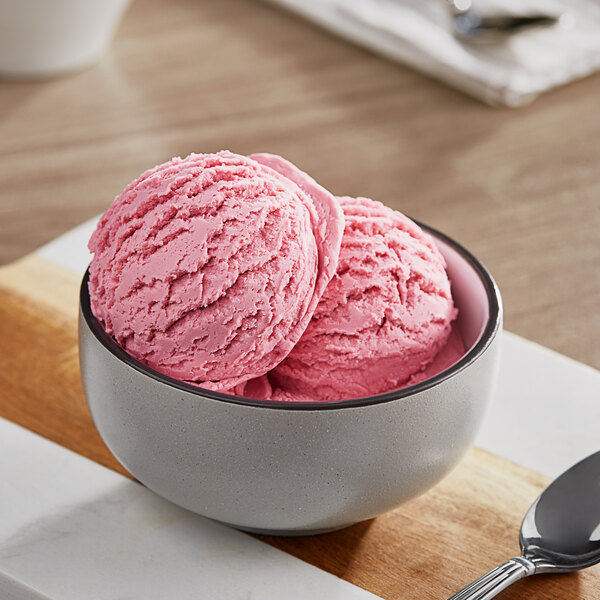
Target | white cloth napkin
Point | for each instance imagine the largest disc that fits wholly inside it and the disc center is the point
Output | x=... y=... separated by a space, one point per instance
x=512 y=73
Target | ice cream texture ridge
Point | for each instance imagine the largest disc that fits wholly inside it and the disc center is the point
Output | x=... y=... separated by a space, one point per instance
x=241 y=274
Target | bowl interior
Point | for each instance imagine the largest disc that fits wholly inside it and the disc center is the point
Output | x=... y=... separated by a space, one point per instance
x=470 y=295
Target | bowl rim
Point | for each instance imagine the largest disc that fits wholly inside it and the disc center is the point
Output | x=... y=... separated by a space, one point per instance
x=491 y=328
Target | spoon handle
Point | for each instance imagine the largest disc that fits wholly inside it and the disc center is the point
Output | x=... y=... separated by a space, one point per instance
x=492 y=583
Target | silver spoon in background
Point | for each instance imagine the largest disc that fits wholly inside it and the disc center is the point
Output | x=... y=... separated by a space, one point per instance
x=560 y=532
x=473 y=25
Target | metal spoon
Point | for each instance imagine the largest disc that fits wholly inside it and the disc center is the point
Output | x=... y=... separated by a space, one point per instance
x=560 y=532
x=474 y=26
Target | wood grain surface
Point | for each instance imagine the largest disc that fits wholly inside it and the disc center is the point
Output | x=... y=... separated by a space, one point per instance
x=519 y=188
x=427 y=549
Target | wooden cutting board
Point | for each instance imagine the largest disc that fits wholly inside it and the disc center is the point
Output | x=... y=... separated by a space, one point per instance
x=427 y=549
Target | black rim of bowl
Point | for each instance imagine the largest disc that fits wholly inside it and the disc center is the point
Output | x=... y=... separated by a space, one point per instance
x=492 y=326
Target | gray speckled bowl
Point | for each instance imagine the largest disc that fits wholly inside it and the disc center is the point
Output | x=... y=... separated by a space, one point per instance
x=290 y=469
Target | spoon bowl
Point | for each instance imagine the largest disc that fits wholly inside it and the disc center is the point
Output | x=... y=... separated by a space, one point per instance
x=563 y=524
x=560 y=532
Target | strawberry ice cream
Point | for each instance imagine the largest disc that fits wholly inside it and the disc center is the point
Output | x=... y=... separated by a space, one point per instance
x=209 y=268
x=384 y=321
x=242 y=274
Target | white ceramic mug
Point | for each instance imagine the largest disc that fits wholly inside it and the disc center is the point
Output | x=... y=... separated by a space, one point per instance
x=49 y=37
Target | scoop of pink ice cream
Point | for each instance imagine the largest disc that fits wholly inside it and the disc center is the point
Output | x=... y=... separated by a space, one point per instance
x=209 y=268
x=382 y=320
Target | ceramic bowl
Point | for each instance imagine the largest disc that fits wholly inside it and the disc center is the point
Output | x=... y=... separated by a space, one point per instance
x=291 y=469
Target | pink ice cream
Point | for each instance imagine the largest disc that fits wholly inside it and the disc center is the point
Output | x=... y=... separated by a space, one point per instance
x=384 y=321
x=209 y=268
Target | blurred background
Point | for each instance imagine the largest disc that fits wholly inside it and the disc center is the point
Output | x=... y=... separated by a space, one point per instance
x=519 y=187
